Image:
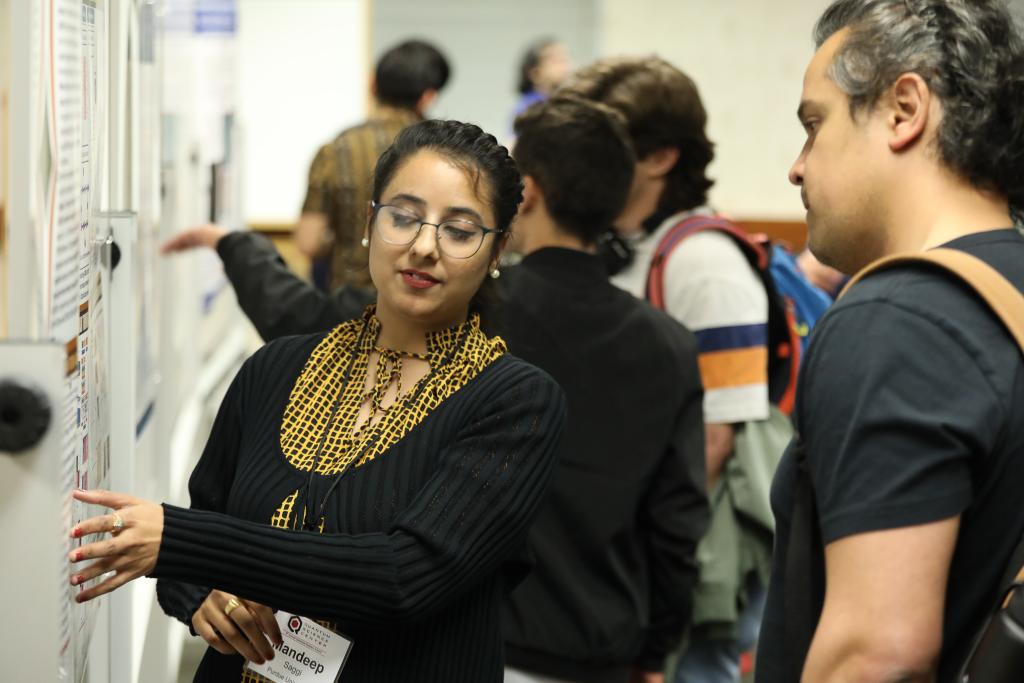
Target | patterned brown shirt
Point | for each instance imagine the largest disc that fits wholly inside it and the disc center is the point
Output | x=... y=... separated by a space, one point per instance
x=340 y=181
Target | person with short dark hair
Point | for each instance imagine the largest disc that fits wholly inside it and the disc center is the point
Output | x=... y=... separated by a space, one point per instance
x=407 y=80
x=898 y=507
x=410 y=75
x=615 y=543
x=584 y=191
x=380 y=476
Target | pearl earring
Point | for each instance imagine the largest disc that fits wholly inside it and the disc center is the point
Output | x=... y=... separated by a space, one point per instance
x=495 y=273
x=365 y=242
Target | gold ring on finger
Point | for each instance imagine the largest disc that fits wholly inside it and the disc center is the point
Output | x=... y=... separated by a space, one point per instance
x=230 y=607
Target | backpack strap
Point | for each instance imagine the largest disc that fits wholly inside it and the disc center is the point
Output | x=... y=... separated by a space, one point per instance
x=1003 y=298
x=784 y=339
x=691 y=226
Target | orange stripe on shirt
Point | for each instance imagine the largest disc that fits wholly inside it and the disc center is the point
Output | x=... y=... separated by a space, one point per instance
x=734 y=368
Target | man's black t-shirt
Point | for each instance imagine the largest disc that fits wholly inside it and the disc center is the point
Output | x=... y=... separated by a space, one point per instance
x=911 y=409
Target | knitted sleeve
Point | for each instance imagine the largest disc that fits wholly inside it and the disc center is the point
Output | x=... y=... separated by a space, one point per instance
x=470 y=517
x=208 y=488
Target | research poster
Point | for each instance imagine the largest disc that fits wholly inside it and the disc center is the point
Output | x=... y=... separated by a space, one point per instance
x=69 y=91
x=93 y=447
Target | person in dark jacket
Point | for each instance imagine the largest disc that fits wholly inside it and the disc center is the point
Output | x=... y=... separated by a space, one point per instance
x=615 y=543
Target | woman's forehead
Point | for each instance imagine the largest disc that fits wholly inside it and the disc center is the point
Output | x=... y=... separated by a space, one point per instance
x=438 y=183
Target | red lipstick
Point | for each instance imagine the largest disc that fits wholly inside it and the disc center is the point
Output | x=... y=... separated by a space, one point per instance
x=417 y=279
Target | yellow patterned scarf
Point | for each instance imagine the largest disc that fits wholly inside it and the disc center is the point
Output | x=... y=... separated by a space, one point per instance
x=324 y=406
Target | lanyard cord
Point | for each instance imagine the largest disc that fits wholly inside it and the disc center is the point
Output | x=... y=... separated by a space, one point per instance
x=308 y=524
x=330 y=421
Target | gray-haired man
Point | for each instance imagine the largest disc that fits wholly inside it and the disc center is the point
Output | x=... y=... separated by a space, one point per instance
x=911 y=403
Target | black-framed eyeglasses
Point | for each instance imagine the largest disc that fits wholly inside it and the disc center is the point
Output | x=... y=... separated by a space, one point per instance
x=455 y=238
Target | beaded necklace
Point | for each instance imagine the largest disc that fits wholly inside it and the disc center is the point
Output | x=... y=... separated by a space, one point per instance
x=389 y=370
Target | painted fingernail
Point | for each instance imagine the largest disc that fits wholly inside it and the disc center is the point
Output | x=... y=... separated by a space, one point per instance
x=76 y=532
x=78 y=555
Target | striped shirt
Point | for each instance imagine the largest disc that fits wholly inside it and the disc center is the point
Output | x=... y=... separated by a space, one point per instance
x=711 y=288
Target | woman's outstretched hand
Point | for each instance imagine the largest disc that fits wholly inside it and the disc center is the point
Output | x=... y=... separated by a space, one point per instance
x=135 y=528
x=231 y=625
x=202 y=236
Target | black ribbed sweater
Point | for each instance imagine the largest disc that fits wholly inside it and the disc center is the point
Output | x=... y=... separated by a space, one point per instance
x=420 y=543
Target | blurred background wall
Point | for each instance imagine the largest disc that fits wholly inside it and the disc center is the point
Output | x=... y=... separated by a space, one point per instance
x=484 y=41
x=305 y=66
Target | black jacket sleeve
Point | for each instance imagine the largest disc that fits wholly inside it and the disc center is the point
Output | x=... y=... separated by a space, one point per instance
x=676 y=516
x=277 y=301
x=470 y=518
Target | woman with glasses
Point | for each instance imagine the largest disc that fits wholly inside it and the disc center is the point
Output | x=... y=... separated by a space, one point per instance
x=381 y=476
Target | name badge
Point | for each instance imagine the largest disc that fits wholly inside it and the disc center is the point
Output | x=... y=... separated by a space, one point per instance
x=309 y=653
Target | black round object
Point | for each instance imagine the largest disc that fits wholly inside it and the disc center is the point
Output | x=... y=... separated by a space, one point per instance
x=24 y=416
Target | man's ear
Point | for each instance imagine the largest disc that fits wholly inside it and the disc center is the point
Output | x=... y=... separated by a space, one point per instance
x=373 y=86
x=658 y=163
x=908 y=104
x=426 y=101
x=532 y=196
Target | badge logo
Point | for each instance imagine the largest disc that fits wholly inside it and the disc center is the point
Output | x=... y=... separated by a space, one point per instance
x=295 y=624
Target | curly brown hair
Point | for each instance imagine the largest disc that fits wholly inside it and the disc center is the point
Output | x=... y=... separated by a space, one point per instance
x=663 y=109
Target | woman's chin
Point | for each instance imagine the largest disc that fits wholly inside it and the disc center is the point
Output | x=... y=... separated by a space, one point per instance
x=424 y=312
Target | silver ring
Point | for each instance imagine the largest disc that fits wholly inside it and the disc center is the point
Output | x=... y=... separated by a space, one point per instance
x=118 y=523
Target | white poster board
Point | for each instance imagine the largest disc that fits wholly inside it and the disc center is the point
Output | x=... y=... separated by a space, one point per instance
x=34 y=519
x=88 y=157
x=53 y=174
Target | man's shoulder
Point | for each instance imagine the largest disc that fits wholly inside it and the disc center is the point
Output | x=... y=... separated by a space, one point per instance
x=348 y=136
x=928 y=291
x=373 y=127
x=674 y=333
x=709 y=253
x=660 y=332
x=635 y=317
x=918 y=310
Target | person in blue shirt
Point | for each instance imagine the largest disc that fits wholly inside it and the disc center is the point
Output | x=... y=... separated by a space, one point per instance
x=544 y=66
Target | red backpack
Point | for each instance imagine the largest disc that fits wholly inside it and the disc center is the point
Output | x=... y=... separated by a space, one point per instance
x=783 y=336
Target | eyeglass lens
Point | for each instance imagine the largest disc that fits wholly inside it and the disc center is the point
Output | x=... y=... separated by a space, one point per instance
x=458 y=239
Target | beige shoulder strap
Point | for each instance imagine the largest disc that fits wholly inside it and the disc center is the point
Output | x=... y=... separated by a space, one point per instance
x=1002 y=297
